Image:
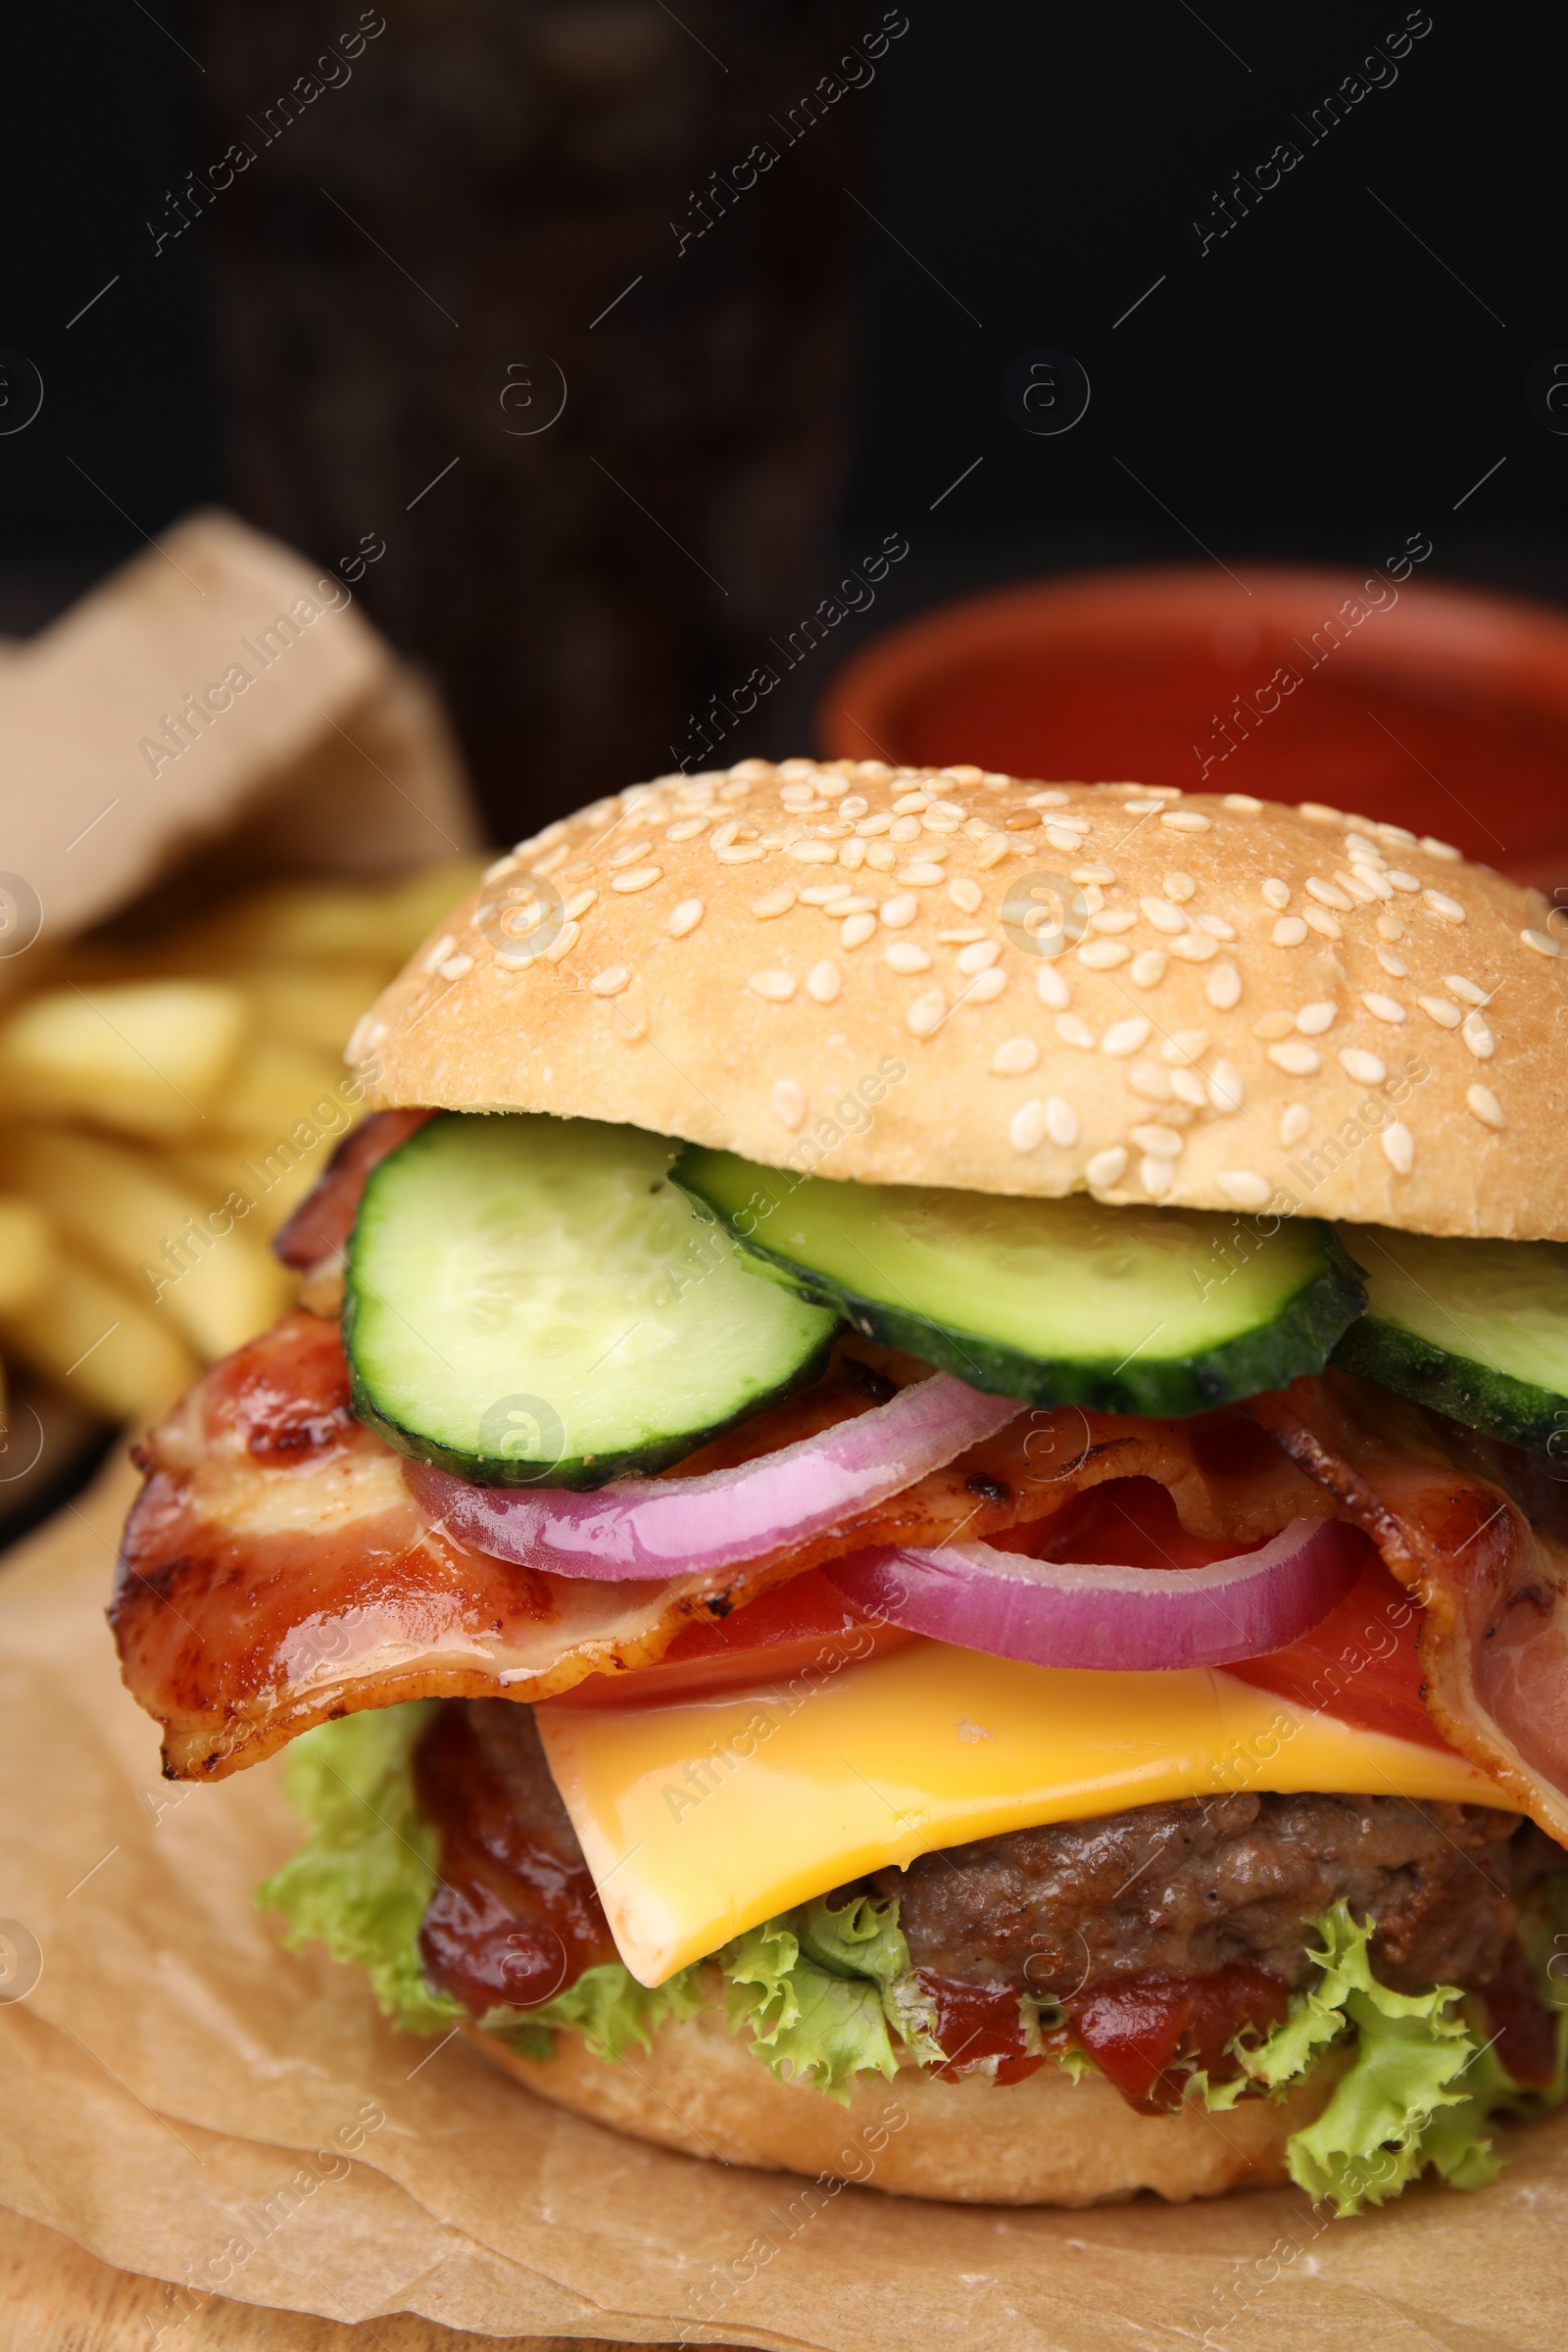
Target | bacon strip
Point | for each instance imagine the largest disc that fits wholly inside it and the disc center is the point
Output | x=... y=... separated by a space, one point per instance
x=276 y=1570
x=1493 y=1585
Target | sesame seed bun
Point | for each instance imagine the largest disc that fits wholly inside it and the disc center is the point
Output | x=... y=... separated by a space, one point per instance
x=1209 y=1002
x=1046 y=2140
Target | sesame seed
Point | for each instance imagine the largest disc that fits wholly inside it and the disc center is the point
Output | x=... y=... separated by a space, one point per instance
x=857 y=929
x=1365 y=1068
x=1274 y=1024
x=1123 y=1037
x=1313 y=1019
x=1014 y=1057
x=776 y=902
x=1394 y=965
x=1091 y=876
x=1061 y=837
x=1296 y=1122
x=812 y=853
x=1226 y=1092
x=1148 y=967
x=1243 y=1186
x=1103 y=954
x=1276 y=893
x=926 y=1012
x=1382 y=1009
x=1194 y=946
x=1109 y=1166
x=1216 y=926
x=942 y=821
x=1026 y=1129
x=440 y=952
x=961 y=935
x=687 y=828
x=904 y=956
x=1390 y=927
x=1062 y=1122
x=1439 y=1009
x=1052 y=988
x=1157 y=1176
x=1243 y=803
x=452 y=967
x=869 y=825
x=789 y=1103
x=1162 y=914
x=991 y=852
x=852 y=806
x=1298 y=1060
x=1408 y=883
x=578 y=903
x=1439 y=849
x=1051 y=798
x=1151 y=1081
x=823 y=982
x=1398 y=835
x=611 y=980
x=1319 y=813
x=1327 y=894
x=1439 y=902
x=985 y=987
x=1479 y=1038
x=1179 y=888
x=1185 y=1045
x=631 y=853
x=1188 y=1087
x=1361 y=888
x=1223 y=988
x=905 y=828
x=1160 y=1142
x=979 y=956
x=1022 y=820
x=776 y=988
x=921 y=877
x=1399 y=1147
x=1142 y=808
x=850 y=906
x=1326 y=925
x=1486 y=1107
x=1074 y=1032
x=965 y=894
x=1466 y=990
x=852 y=854
x=1541 y=941
x=909 y=803
x=898 y=913
x=829 y=896
x=737 y=852
x=1113 y=918
x=1289 y=931
x=1186 y=820
x=565 y=941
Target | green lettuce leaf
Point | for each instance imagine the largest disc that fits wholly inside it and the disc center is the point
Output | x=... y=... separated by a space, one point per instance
x=1420 y=2090
x=360 y=1881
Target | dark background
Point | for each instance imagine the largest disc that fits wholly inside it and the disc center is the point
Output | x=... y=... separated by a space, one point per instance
x=819 y=369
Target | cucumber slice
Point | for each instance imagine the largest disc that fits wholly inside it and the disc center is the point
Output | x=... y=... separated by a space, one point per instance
x=1133 y=1310
x=530 y=1301
x=1477 y=1329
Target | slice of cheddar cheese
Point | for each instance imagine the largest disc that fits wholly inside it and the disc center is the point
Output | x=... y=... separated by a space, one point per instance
x=699 y=1821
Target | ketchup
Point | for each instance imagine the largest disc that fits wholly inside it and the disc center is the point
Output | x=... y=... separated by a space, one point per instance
x=1148 y=2034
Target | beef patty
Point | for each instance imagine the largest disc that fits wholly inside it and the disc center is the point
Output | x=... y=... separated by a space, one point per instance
x=1202 y=1884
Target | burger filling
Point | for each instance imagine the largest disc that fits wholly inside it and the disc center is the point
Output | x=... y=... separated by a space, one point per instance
x=541 y=1466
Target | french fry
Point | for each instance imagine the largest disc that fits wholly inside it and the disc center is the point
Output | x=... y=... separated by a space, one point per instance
x=266 y=1167
x=26 y=1253
x=147 y=1056
x=304 y=923
x=273 y=1087
x=187 y=1253
x=316 y=1010
x=100 y=1345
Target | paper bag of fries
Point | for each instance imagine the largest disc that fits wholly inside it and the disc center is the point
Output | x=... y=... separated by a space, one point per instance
x=171 y=1039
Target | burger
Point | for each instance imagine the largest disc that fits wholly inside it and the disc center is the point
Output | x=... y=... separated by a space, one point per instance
x=912 y=1527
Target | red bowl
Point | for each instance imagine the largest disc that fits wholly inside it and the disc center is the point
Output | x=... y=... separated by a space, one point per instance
x=1443 y=708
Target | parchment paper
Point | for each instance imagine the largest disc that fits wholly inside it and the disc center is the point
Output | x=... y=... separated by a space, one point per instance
x=181 y=2096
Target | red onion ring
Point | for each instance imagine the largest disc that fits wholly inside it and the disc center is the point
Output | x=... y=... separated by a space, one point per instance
x=664 y=1527
x=1129 y=1620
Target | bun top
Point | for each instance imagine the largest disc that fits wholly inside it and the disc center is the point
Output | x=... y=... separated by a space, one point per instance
x=949 y=977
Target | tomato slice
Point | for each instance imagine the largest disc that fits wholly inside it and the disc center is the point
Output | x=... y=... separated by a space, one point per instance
x=1359 y=1663
x=806 y=1623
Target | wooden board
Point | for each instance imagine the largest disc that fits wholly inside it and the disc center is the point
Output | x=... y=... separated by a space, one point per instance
x=56 y=2298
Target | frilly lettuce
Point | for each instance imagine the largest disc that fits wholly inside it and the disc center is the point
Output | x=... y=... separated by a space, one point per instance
x=828 y=1993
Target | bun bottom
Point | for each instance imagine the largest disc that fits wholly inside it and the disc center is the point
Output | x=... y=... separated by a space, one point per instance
x=1046 y=2140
